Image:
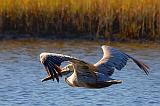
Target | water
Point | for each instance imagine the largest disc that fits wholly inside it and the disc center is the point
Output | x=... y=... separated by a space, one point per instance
x=21 y=74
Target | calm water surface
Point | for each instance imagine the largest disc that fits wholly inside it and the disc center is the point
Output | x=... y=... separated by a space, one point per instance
x=21 y=74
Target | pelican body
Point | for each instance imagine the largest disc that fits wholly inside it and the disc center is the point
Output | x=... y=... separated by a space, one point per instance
x=88 y=75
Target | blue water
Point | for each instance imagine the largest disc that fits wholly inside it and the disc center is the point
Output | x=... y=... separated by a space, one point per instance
x=21 y=74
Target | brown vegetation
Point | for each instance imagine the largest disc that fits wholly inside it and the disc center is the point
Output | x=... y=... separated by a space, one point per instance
x=113 y=19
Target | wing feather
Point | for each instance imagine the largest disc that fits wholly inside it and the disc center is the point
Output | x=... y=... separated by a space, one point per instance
x=115 y=59
x=53 y=61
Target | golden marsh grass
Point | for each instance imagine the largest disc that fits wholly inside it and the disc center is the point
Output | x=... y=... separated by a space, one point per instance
x=113 y=19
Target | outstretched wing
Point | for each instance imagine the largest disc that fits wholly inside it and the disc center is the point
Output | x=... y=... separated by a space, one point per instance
x=115 y=59
x=52 y=62
x=85 y=72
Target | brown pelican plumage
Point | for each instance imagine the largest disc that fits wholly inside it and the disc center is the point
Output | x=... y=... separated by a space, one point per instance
x=85 y=74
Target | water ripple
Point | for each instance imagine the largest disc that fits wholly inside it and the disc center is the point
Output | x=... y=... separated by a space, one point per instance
x=21 y=72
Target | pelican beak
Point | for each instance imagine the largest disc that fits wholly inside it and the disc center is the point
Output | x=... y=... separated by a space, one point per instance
x=58 y=69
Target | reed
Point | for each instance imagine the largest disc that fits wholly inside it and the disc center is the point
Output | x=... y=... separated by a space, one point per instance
x=112 y=19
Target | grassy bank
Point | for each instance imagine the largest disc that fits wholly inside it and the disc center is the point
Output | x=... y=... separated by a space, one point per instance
x=112 y=19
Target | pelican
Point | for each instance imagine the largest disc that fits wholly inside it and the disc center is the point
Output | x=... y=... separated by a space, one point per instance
x=88 y=75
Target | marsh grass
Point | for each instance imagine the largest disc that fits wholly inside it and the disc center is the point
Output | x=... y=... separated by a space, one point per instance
x=112 y=19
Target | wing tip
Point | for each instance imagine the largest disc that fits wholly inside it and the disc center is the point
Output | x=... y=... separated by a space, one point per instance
x=142 y=66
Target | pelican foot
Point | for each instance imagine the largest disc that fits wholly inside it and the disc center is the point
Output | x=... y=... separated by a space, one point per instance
x=114 y=81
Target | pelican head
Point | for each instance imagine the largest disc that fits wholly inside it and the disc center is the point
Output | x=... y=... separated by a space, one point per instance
x=68 y=69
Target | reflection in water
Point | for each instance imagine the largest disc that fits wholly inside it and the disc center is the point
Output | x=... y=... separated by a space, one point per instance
x=21 y=72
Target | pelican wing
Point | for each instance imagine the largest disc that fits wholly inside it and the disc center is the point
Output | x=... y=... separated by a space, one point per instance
x=115 y=59
x=85 y=72
x=52 y=62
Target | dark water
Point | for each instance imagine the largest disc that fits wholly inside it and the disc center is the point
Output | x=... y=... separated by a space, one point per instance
x=21 y=74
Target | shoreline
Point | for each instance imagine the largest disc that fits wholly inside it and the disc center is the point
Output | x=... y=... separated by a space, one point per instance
x=72 y=37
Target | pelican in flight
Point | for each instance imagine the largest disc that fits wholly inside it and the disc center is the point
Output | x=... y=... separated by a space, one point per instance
x=88 y=75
